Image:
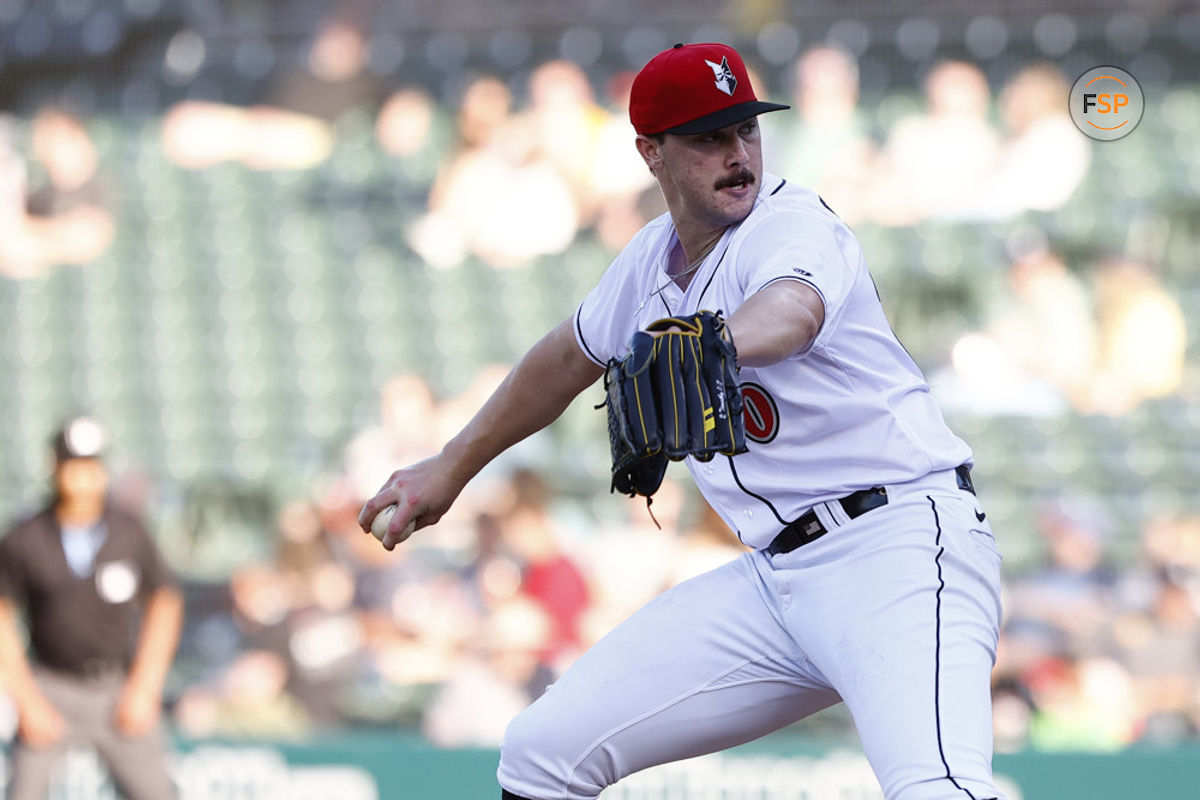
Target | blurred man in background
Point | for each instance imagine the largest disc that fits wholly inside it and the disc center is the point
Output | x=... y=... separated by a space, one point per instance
x=82 y=571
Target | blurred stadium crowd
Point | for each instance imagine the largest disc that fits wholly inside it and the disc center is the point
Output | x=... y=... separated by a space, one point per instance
x=280 y=260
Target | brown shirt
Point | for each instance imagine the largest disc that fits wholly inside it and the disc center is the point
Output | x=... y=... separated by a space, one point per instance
x=81 y=624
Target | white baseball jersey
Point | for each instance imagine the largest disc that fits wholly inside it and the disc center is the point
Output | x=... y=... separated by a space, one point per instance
x=851 y=412
x=894 y=611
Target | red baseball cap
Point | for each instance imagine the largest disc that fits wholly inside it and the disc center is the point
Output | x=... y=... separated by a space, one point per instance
x=693 y=88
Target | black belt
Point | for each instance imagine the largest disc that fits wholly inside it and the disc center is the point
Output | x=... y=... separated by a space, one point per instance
x=808 y=527
x=90 y=669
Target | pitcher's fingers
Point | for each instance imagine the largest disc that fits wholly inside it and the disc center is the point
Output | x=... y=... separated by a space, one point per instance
x=394 y=536
x=406 y=514
x=381 y=500
x=365 y=516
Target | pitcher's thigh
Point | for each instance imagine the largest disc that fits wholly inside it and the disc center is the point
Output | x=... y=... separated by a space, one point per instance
x=703 y=667
x=914 y=663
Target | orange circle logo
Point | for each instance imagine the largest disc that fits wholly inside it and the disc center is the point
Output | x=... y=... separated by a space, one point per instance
x=1106 y=103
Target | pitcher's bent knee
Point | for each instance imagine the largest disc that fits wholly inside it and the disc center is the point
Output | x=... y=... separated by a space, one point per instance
x=539 y=760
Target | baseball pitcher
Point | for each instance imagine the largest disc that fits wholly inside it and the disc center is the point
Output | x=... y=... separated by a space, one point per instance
x=741 y=333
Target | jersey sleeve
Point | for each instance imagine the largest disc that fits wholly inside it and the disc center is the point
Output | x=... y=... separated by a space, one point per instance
x=804 y=247
x=606 y=319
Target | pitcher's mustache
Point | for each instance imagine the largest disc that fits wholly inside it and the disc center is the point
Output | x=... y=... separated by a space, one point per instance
x=742 y=176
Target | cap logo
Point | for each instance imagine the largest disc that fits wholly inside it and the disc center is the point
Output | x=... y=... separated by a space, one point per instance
x=724 y=75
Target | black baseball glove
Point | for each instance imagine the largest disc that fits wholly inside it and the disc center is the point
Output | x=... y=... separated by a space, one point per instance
x=674 y=395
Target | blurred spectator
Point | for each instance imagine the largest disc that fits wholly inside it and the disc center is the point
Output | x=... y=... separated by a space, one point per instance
x=409 y=130
x=1012 y=715
x=618 y=178
x=1104 y=351
x=1157 y=631
x=69 y=207
x=324 y=638
x=494 y=574
x=1095 y=659
x=53 y=209
x=485 y=107
x=504 y=202
x=1042 y=158
x=1105 y=659
x=826 y=145
x=261 y=605
x=549 y=576
x=249 y=700
x=103 y=614
x=1083 y=705
x=1142 y=337
x=566 y=123
x=1038 y=349
x=332 y=78
x=1169 y=545
x=304 y=640
x=18 y=254
x=500 y=198
x=414 y=426
x=405 y=123
x=407 y=432
x=198 y=134
x=936 y=163
x=500 y=674
x=376 y=580
x=630 y=562
x=410 y=613
x=1074 y=591
x=1161 y=646
x=66 y=157
x=415 y=608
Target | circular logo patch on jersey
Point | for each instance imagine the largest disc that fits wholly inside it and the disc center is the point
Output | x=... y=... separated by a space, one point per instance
x=117 y=581
x=760 y=413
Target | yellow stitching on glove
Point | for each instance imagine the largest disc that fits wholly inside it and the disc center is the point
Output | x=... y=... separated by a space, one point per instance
x=641 y=417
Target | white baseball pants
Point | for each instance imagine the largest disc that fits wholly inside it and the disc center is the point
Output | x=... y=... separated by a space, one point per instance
x=896 y=613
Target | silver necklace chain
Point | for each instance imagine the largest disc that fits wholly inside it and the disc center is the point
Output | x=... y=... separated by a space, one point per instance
x=695 y=265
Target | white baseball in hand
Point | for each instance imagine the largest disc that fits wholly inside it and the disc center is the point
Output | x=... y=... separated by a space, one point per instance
x=379 y=525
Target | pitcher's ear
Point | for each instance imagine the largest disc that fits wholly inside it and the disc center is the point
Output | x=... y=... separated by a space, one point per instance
x=650 y=148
